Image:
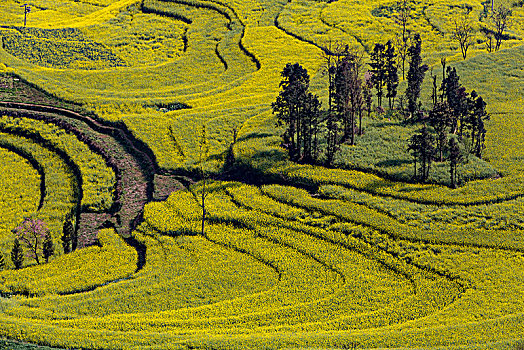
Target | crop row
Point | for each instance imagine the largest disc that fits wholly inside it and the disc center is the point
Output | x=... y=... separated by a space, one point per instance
x=98 y=180
x=62 y=193
x=320 y=253
x=366 y=216
x=78 y=271
x=311 y=286
x=223 y=210
x=495 y=217
x=47 y=51
x=21 y=192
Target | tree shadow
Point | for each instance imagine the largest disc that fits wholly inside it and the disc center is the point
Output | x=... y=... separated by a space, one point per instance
x=255 y=135
x=393 y=162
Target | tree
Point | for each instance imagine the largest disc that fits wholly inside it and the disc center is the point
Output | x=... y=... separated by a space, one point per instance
x=500 y=20
x=27 y=9
x=440 y=119
x=489 y=42
x=309 y=123
x=402 y=39
x=378 y=69
x=434 y=88
x=367 y=92
x=391 y=75
x=2 y=261
x=477 y=116
x=67 y=235
x=443 y=64
x=455 y=157
x=289 y=107
x=203 y=153
x=331 y=119
x=456 y=97
x=421 y=146
x=348 y=91
x=415 y=75
x=414 y=148
x=48 y=248
x=32 y=232
x=17 y=254
x=229 y=160
x=463 y=33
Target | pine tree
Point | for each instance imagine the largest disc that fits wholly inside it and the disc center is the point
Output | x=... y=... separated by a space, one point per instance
x=378 y=69
x=414 y=148
x=348 y=88
x=455 y=157
x=331 y=120
x=457 y=99
x=67 y=235
x=309 y=122
x=434 y=89
x=416 y=75
x=391 y=75
x=443 y=64
x=440 y=119
x=421 y=146
x=289 y=105
x=402 y=38
x=477 y=116
x=48 y=248
x=292 y=111
x=17 y=255
x=427 y=152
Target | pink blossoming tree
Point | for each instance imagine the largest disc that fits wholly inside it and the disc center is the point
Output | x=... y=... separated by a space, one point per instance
x=32 y=232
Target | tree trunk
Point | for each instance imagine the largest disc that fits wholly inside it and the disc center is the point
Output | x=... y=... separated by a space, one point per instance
x=360 y=122
x=203 y=207
x=452 y=173
x=35 y=251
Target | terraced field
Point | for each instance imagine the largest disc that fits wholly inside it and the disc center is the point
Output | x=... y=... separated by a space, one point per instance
x=102 y=104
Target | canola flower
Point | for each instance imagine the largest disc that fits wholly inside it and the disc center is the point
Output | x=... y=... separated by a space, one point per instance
x=378 y=263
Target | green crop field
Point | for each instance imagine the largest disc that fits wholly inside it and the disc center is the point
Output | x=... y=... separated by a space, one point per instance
x=119 y=118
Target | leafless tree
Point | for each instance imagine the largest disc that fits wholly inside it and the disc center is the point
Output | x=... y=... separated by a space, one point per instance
x=489 y=42
x=463 y=32
x=348 y=90
x=403 y=37
x=330 y=63
x=501 y=20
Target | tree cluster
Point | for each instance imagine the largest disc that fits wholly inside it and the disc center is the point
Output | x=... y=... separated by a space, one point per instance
x=33 y=237
x=299 y=110
x=349 y=96
x=454 y=125
x=463 y=31
x=457 y=126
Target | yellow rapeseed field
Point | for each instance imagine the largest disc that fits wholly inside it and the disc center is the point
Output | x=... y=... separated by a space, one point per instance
x=292 y=256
